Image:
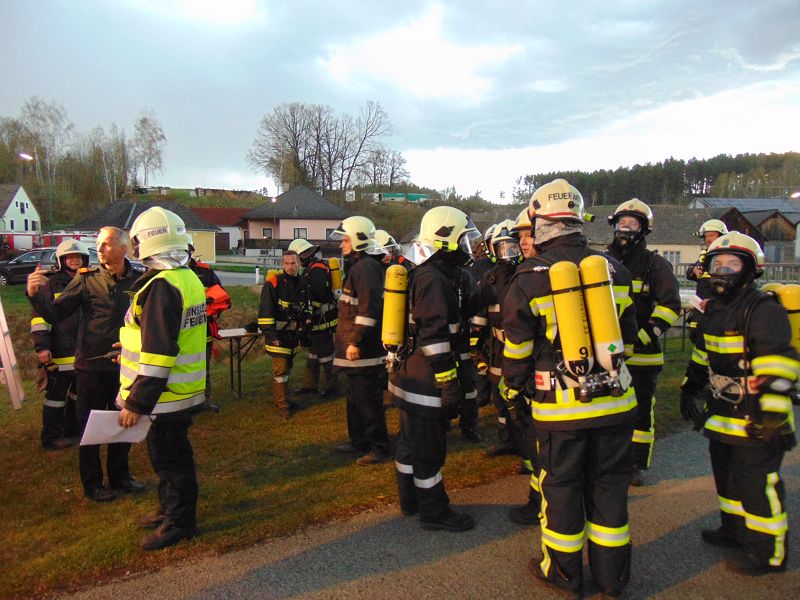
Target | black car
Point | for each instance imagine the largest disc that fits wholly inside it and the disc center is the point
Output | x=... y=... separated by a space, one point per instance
x=16 y=270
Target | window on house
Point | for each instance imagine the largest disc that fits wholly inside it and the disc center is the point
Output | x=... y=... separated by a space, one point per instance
x=266 y=232
x=673 y=256
x=26 y=224
x=12 y=224
x=22 y=208
x=329 y=232
x=34 y=225
x=300 y=232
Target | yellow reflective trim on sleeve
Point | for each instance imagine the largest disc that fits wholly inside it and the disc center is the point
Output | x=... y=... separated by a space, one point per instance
x=159 y=360
x=266 y=321
x=777 y=366
x=611 y=537
x=65 y=360
x=725 y=344
x=637 y=285
x=644 y=337
x=622 y=297
x=543 y=306
x=445 y=376
x=518 y=351
x=700 y=357
x=775 y=403
x=665 y=314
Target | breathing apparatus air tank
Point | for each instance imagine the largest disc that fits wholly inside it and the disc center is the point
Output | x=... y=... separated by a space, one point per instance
x=336 y=276
x=598 y=294
x=771 y=287
x=573 y=325
x=393 y=334
x=789 y=296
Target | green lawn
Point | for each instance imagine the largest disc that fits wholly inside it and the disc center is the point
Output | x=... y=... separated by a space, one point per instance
x=260 y=477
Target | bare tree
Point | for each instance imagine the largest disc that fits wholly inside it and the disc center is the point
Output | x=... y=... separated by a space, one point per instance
x=112 y=152
x=307 y=144
x=148 y=145
x=384 y=168
x=50 y=133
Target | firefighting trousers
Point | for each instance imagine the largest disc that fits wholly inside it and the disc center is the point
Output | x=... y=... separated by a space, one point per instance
x=751 y=498
x=506 y=434
x=173 y=461
x=320 y=358
x=483 y=386
x=281 y=368
x=524 y=429
x=97 y=390
x=58 y=411
x=366 y=416
x=584 y=484
x=467 y=376
x=419 y=457
x=644 y=425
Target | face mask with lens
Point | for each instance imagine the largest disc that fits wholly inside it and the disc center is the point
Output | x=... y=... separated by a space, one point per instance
x=508 y=251
x=626 y=237
x=726 y=272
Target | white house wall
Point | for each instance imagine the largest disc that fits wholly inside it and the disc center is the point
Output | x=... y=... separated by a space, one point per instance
x=20 y=209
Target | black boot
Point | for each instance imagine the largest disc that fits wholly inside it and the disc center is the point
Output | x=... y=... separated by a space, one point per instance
x=450 y=521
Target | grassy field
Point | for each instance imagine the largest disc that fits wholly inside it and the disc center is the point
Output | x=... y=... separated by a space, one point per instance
x=260 y=476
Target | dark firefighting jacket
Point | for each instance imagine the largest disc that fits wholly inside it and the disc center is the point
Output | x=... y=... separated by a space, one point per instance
x=403 y=262
x=361 y=313
x=283 y=313
x=163 y=359
x=532 y=348
x=102 y=300
x=656 y=296
x=487 y=323
x=317 y=276
x=434 y=339
x=58 y=338
x=725 y=330
x=208 y=278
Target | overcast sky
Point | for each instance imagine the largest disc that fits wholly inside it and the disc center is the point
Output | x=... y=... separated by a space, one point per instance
x=478 y=93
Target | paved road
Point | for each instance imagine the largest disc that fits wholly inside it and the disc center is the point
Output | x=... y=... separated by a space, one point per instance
x=229 y=278
x=381 y=554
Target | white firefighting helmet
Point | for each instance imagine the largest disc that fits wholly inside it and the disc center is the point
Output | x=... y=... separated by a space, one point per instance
x=159 y=232
x=67 y=247
x=556 y=201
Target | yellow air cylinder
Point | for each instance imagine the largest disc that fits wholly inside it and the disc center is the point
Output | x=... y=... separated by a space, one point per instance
x=394 y=307
x=336 y=276
x=602 y=311
x=573 y=326
x=771 y=287
x=789 y=295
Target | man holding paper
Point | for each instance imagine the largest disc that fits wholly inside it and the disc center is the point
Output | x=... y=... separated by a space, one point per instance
x=163 y=369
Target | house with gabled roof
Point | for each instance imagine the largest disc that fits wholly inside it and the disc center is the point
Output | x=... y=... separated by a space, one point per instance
x=20 y=222
x=122 y=214
x=297 y=213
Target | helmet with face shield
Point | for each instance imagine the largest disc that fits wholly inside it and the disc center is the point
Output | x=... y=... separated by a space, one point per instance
x=447 y=230
x=624 y=232
x=505 y=245
x=733 y=261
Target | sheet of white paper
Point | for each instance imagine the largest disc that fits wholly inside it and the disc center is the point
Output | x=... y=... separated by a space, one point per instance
x=103 y=428
x=696 y=302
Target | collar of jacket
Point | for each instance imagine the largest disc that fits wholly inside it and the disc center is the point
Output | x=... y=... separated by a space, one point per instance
x=632 y=250
x=571 y=239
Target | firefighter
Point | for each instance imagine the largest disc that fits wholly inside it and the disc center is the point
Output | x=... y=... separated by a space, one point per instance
x=483 y=262
x=319 y=340
x=504 y=247
x=744 y=352
x=217 y=300
x=522 y=421
x=163 y=369
x=359 y=351
x=283 y=315
x=658 y=303
x=583 y=431
x=55 y=349
x=393 y=251
x=426 y=385
x=709 y=231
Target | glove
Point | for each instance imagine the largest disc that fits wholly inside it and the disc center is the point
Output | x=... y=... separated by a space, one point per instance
x=452 y=399
x=690 y=410
x=772 y=425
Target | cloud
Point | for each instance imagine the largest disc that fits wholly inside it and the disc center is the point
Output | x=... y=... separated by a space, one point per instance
x=419 y=59
x=778 y=63
x=757 y=118
x=209 y=12
x=549 y=85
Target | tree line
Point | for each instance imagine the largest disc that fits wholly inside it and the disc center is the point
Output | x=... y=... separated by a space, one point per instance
x=676 y=181
x=69 y=173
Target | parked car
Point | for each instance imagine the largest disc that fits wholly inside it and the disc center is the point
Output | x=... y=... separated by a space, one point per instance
x=16 y=270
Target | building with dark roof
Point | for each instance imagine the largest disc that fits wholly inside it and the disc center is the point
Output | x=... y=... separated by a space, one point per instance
x=297 y=213
x=123 y=213
x=230 y=224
